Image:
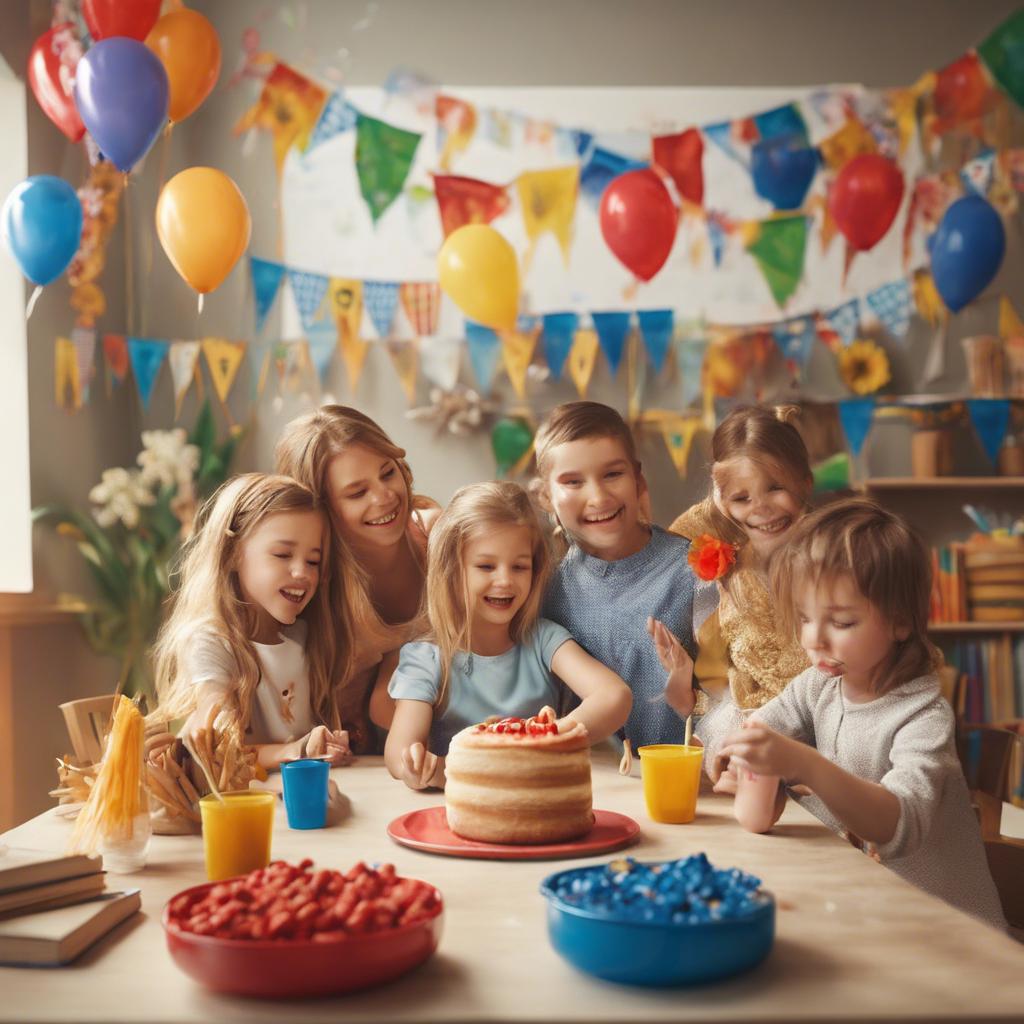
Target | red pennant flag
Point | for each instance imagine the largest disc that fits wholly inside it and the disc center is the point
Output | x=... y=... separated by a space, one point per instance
x=680 y=156
x=464 y=201
x=421 y=302
x=115 y=349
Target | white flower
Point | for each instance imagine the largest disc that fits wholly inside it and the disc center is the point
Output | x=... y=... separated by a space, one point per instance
x=167 y=460
x=119 y=494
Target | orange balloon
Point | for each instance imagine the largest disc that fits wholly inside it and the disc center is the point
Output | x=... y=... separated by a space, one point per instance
x=189 y=49
x=203 y=224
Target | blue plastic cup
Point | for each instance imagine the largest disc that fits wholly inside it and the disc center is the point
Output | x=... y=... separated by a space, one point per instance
x=305 y=792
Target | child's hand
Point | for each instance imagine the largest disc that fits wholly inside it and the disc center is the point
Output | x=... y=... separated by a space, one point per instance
x=679 y=666
x=337 y=747
x=765 y=751
x=419 y=767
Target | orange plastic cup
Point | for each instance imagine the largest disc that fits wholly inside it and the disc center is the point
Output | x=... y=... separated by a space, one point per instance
x=671 y=778
x=236 y=832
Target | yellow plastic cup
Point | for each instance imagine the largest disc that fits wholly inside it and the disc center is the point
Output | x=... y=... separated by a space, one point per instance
x=671 y=777
x=236 y=832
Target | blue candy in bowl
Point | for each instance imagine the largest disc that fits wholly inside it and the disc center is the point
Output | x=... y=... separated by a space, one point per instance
x=680 y=922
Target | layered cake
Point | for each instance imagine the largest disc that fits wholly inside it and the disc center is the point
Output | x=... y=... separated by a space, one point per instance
x=519 y=781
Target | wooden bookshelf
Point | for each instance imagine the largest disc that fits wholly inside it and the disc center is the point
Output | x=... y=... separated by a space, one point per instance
x=943 y=483
x=976 y=627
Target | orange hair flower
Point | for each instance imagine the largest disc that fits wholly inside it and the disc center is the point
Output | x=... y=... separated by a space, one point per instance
x=711 y=558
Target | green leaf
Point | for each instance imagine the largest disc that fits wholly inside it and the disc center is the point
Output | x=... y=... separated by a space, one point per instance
x=204 y=431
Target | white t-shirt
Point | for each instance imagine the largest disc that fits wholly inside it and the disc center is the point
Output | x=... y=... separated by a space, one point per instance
x=282 y=709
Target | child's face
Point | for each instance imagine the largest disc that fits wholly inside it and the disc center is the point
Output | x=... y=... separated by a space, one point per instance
x=498 y=571
x=369 y=497
x=843 y=633
x=279 y=568
x=595 y=491
x=759 y=500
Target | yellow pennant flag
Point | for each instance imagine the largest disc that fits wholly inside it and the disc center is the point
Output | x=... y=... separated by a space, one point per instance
x=853 y=139
x=517 y=354
x=927 y=299
x=1010 y=325
x=223 y=357
x=548 y=201
x=679 y=434
x=353 y=352
x=67 y=387
x=903 y=107
x=405 y=359
x=582 y=357
x=346 y=298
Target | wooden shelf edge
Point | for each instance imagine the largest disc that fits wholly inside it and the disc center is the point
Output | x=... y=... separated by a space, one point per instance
x=35 y=610
x=976 y=627
x=910 y=483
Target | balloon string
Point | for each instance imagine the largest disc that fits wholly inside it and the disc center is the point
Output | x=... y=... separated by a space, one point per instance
x=33 y=299
x=199 y=304
x=129 y=274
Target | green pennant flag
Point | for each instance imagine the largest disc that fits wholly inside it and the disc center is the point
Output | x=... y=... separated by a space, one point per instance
x=779 y=251
x=1003 y=54
x=384 y=155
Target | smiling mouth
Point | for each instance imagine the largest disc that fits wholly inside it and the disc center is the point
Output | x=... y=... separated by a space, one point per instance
x=606 y=517
x=499 y=602
x=830 y=668
x=383 y=520
x=293 y=594
x=776 y=526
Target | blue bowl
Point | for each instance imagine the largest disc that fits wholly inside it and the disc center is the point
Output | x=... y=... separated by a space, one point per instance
x=656 y=953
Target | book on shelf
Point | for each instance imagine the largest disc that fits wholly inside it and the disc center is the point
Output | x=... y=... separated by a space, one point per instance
x=54 y=937
x=51 y=894
x=21 y=867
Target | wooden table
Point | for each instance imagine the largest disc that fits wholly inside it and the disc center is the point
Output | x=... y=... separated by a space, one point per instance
x=854 y=942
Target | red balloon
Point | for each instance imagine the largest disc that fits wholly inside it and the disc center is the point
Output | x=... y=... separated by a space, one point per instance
x=44 y=76
x=133 y=18
x=865 y=199
x=638 y=221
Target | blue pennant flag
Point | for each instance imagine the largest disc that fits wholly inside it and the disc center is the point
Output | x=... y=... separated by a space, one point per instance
x=612 y=331
x=147 y=356
x=690 y=356
x=484 y=352
x=309 y=291
x=601 y=168
x=845 y=320
x=718 y=237
x=656 y=326
x=380 y=299
x=337 y=116
x=266 y=280
x=781 y=121
x=721 y=136
x=855 y=415
x=582 y=140
x=796 y=339
x=991 y=417
x=558 y=335
x=322 y=337
x=892 y=304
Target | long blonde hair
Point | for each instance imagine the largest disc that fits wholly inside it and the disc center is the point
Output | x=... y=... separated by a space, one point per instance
x=477 y=509
x=210 y=601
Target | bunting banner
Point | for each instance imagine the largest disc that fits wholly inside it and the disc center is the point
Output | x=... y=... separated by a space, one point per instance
x=484 y=353
x=991 y=417
x=405 y=359
x=557 y=334
x=337 y=116
x=977 y=174
x=612 y=331
x=115 y=351
x=322 y=339
x=782 y=122
x=440 y=359
x=223 y=359
x=795 y=339
x=183 y=360
x=353 y=353
x=517 y=348
x=65 y=376
x=680 y=156
x=845 y=320
x=891 y=303
x=345 y=297
x=853 y=139
x=147 y=355
x=690 y=352
x=582 y=357
x=656 y=327
x=381 y=301
x=679 y=434
x=855 y=415
x=1010 y=325
x=1001 y=55
x=266 y=282
x=598 y=170
x=456 y=126
x=778 y=247
x=464 y=201
x=308 y=290
x=547 y=200
x=421 y=302
x=721 y=135
x=384 y=155
x=927 y=300
x=84 y=341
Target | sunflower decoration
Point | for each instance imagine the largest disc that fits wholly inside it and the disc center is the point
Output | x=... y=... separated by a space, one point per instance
x=864 y=367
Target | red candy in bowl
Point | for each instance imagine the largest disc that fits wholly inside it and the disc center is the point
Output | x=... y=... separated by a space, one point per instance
x=287 y=931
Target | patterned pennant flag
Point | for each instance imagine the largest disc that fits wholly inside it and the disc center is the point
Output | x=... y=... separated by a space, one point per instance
x=779 y=248
x=690 y=354
x=781 y=122
x=182 y=358
x=991 y=417
x=977 y=174
x=67 y=392
x=679 y=434
x=853 y=139
x=600 y=167
x=582 y=358
x=440 y=359
x=456 y=126
x=845 y=320
x=1010 y=325
x=309 y=291
x=223 y=359
x=892 y=305
x=484 y=353
x=115 y=351
x=147 y=355
x=855 y=415
x=517 y=349
x=322 y=338
x=345 y=297
x=421 y=302
x=795 y=339
x=266 y=280
x=656 y=326
x=384 y=155
x=84 y=340
x=337 y=116
x=353 y=352
x=464 y=201
x=722 y=136
x=381 y=301
x=558 y=332
x=547 y=200
x=612 y=331
x=405 y=359
x=680 y=156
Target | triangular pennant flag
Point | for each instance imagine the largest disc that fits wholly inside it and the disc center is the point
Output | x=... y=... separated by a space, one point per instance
x=484 y=353
x=223 y=359
x=891 y=303
x=65 y=376
x=558 y=332
x=612 y=330
x=680 y=156
x=795 y=339
x=855 y=415
x=582 y=357
x=384 y=155
x=322 y=338
x=147 y=356
x=977 y=174
x=853 y=139
x=721 y=135
x=927 y=299
x=845 y=320
x=517 y=349
x=266 y=280
x=717 y=235
x=679 y=434
x=547 y=200
x=182 y=358
x=1010 y=325
x=115 y=351
x=779 y=251
x=405 y=359
x=421 y=302
x=337 y=116
x=84 y=340
x=464 y=201
x=598 y=170
x=690 y=354
x=381 y=301
x=345 y=297
x=656 y=326
x=456 y=126
x=991 y=417
x=781 y=122
x=309 y=291
x=353 y=352
x=440 y=359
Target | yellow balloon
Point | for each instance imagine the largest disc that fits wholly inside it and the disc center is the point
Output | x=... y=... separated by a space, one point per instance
x=478 y=270
x=203 y=224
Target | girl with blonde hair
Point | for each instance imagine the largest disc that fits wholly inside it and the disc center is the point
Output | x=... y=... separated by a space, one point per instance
x=251 y=628
x=380 y=528
x=487 y=651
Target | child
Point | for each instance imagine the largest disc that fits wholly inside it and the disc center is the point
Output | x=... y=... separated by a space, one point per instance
x=620 y=571
x=251 y=628
x=362 y=476
x=487 y=651
x=865 y=727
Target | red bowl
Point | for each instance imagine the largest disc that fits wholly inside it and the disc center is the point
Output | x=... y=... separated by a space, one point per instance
x=300 y=968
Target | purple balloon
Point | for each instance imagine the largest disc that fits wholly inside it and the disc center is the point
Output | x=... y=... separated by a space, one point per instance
x=121 y=91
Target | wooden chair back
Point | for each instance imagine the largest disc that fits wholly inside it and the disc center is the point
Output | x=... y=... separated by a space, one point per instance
x=86 y=722
x=1006 y=862
x=985 y=753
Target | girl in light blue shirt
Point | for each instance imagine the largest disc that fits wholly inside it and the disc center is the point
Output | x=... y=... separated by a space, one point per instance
x=488 y=652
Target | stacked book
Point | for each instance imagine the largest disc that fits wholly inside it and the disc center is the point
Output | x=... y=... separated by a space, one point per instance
x=54 y=907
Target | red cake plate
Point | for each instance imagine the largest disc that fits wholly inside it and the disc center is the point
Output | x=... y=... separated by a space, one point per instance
x=427 y=830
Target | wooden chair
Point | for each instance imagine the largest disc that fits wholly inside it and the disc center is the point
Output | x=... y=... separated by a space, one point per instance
x=86 y=722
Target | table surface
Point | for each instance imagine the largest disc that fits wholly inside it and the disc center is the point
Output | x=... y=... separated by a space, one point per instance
x=853 y=942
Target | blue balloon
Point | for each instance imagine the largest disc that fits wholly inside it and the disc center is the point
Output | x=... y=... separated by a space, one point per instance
x=42 y=223
x=783 y=169
x=122 y=93
x=967 y=250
